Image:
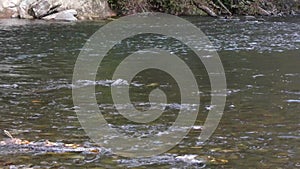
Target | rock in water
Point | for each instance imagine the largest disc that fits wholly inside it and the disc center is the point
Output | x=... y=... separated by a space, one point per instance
x=55 y=15
x=120 y=82
x=24 y=8
x=39 y=9
x=28 y=9
x=67 y=15
x=9 y=8
x=87 y=9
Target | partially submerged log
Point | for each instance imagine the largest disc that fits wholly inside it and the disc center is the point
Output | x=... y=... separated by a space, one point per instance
x=262 y=11
x=206 y=9
x=224 y=7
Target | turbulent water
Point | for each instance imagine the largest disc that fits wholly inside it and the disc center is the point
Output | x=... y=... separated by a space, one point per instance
x=260 y=124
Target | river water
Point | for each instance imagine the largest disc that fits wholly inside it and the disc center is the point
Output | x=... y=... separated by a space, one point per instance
x=259 y=127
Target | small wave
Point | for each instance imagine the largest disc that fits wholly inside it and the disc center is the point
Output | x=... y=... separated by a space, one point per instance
x=293 y=101
x=176 y=161
x=9 y=86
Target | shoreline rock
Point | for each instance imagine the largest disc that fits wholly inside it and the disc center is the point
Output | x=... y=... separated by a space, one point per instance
x=67 y=10
x=66 y=15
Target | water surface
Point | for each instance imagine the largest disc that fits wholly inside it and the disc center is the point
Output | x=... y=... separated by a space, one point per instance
x=259 y=128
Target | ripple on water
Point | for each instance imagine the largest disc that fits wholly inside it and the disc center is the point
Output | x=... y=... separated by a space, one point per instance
x=293 y=101
x=262 y=36
x=36 y=67
x=172 y=160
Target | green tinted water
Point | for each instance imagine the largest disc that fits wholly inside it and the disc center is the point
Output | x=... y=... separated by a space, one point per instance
x=259 y=128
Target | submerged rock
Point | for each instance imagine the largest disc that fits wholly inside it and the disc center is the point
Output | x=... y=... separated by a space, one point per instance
x=120 y=82
x=185 y=161
x=250 y=17
x=14 y=145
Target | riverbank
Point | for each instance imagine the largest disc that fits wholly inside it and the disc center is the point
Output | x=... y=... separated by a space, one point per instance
x=102 y=9
x=209 y=7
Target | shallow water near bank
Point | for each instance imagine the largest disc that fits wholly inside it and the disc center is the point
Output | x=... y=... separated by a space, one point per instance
x=259 y=128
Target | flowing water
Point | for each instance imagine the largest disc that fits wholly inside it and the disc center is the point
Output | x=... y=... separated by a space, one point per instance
x=260 y=124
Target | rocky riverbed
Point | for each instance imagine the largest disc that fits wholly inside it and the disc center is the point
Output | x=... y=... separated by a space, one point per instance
x=68 y=10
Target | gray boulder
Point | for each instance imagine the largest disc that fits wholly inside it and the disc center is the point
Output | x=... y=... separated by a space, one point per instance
x=87 y=9
x=39 y=8
x=66 y=15
x=24 y=8
x=28 y=9
x=9 y=8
